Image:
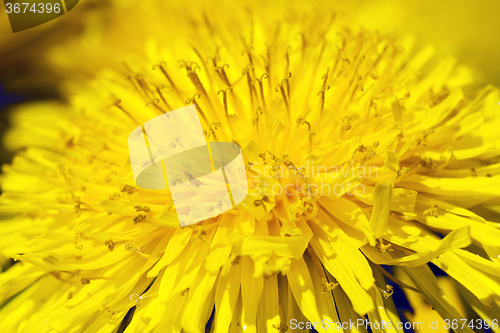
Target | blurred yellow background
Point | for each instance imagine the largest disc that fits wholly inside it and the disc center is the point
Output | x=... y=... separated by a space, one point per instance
x=466 y=30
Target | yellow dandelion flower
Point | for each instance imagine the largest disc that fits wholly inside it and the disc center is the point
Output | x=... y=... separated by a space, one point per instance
x=356 y=158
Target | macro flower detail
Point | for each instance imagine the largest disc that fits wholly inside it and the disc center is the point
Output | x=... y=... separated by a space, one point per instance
x=357 y=155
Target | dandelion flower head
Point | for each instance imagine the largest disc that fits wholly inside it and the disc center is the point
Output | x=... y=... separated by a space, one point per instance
x=357 y=156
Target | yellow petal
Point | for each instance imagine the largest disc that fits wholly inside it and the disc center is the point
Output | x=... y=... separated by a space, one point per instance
x=349 y=213
x=455 y=240
x=251 y=291
x=302 y=288
x=382 y=196
x=268 y=313
x=226 y=295
x=200 y=302
x=346 y=312
x=340 y=267
x=176 y=245
x=427 y=284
